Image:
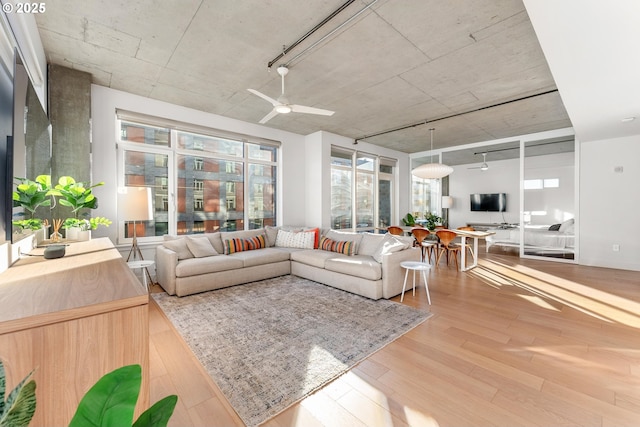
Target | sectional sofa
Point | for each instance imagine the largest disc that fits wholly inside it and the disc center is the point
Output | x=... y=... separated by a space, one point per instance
x=362 y=263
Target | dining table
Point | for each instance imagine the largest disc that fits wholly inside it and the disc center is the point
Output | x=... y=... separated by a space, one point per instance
x=464 y=234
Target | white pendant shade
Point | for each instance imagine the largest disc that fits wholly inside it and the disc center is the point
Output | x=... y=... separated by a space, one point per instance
x=432 y=171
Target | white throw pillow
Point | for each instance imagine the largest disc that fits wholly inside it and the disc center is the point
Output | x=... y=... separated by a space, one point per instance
x=296 y=239
x=566 y=226
x=389 y=244
x=200 y=247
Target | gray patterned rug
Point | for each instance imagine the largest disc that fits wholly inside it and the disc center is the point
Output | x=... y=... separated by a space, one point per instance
x=269 y=344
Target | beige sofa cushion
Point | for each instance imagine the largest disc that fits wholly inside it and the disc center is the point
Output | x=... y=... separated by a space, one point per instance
x=179 y=246
x=261 y=256
x=358 y=265
x=200 y=246
x=315 y=258
x=391 y=244
x=212 y=264
x=370 y=243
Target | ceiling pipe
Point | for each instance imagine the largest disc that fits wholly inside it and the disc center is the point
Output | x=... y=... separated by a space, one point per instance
x=454 y=115
x=330 y=33
x=310 y=32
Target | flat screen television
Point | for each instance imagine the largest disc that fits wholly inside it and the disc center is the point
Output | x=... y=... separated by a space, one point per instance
x=495 y=202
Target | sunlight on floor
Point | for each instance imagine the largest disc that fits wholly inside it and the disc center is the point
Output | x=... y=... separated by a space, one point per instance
x=547 y=287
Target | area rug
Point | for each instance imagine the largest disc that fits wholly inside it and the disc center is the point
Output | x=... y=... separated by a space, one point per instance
x=269 y=344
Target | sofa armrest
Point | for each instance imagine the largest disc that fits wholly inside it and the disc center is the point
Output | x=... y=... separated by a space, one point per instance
x=166 y=262
x=393 y=273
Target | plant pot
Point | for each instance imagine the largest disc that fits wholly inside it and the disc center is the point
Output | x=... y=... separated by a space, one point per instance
x=84 y=235
x=42 y=234
x=71 y=233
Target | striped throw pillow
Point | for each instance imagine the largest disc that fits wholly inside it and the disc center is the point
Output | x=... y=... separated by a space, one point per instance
x=238 y=245
x=343 y=247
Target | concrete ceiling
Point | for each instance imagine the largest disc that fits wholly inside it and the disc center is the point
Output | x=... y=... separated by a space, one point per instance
x=473 y=68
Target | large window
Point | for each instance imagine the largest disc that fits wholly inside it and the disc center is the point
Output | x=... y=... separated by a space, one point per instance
x=200 y=182
x=362 y=190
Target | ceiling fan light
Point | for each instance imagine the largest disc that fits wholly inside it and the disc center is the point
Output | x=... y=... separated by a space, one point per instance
x=283 y=109
x=484 y=167
x=432 y=171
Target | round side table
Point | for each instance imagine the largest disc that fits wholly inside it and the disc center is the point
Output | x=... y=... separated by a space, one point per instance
x=422 y=267
x=143 y=264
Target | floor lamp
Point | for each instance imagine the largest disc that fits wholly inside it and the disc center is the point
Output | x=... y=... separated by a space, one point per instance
x=134 y=204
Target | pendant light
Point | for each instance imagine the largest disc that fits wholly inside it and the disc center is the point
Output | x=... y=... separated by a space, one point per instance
x=432 y=170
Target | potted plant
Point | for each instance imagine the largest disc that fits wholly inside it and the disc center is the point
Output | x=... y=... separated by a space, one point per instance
x=87 y=225
x=77 y=196
x=20 y=405
x=432 y=220
x=30 y=195
x=409 y=220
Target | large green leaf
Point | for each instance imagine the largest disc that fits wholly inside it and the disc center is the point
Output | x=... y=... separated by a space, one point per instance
x=111 y=401
x=158 y=415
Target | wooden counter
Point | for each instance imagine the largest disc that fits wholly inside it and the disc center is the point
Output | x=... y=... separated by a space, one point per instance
x=73 y=319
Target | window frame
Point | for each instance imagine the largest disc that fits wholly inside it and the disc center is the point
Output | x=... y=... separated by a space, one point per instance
x=173 y=153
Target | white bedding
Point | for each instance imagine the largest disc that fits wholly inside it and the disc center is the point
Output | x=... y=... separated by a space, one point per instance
x=533 y=237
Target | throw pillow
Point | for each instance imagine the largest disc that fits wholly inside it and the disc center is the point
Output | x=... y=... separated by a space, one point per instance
x=238 y=245
x=200 y=247
x=555 y=227
x=293 y=239
x=344 y=247
x=389 y=244
x=179 y=246
x=566 y=226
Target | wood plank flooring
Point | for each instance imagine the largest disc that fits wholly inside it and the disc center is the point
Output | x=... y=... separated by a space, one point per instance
x=512 y=343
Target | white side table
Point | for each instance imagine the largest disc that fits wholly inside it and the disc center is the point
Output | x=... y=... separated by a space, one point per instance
x=144 y=264
x=415 y=266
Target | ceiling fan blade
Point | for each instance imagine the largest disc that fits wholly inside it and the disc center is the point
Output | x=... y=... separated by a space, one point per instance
x=310 y=110
x=265 y=97
x=269 y=116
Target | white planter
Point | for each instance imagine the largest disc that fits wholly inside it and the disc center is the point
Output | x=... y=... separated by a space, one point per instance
x=71 y=233
x=42 y=234
x=84 y=235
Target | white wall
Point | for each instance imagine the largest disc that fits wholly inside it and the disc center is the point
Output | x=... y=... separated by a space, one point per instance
x=610 y=203
x=502 y=177
x=105 y=101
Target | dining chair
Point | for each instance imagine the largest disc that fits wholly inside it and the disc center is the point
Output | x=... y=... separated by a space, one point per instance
x=426 y=247
x=394 y=229
x=447 y=245
x=468 y=245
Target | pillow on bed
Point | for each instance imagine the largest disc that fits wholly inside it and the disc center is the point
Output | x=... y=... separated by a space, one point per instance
x=567 y=226
x=555 y=227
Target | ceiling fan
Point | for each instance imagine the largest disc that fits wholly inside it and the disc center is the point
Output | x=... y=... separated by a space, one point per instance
x=484 y=166
x=282 y=105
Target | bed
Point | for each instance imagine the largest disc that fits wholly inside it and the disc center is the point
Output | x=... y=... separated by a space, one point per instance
x=558 y=237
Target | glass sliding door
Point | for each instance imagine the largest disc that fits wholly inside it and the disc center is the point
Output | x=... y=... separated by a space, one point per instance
x=549 y=199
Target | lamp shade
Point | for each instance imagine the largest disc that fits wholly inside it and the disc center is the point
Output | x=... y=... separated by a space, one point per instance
x=134 y=204
x=432 y=171
x=447 y=202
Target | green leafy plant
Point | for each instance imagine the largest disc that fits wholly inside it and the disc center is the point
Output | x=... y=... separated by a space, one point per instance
x=112 y=400
x=30 y=195
x=432 y=220
x=76 y=195
x=409 y=220
x=28 y=224
x=72 y=222
x=20 y=405
x=98 y=220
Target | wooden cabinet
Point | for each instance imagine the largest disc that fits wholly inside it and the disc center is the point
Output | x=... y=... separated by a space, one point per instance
x=73 y=319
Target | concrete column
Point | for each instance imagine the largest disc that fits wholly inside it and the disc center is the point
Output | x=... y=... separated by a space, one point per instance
x=70 y=114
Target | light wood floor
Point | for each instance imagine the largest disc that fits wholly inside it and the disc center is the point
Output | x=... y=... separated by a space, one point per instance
x=513 y=342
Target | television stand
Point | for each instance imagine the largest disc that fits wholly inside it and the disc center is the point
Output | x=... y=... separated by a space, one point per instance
x=485 y=226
